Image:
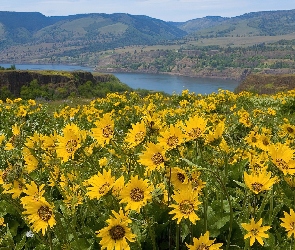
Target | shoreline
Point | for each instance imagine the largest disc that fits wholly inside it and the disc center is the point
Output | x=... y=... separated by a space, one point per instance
x=201 y=74
x=232 y=74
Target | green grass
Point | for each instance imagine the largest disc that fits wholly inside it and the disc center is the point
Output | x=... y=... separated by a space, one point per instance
x=116 y=29
x=240 y=41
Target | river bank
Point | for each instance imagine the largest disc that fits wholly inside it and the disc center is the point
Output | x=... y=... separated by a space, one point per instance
x=235 y=74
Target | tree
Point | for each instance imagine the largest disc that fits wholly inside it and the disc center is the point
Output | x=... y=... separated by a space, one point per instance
x=33 y=91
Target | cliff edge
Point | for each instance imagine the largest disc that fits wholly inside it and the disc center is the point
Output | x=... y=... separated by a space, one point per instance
x=15 y=79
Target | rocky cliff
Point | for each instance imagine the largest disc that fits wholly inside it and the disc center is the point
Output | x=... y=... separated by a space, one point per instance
x=15 y=79
x=261 y=83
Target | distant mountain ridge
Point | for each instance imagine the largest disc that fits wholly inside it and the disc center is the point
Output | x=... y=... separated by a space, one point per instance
x=200 y=23
x=262 y=23
x=86 y=38
x=120 y=29
x=106 y=30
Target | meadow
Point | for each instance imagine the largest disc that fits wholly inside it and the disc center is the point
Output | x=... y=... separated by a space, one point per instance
x=185 y=171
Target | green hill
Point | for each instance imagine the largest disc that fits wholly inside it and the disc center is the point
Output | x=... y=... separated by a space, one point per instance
x=87 y=31
x=194 y=25
x=263 y=23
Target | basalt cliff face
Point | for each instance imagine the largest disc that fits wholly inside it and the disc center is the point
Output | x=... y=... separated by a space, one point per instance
x=15 y=79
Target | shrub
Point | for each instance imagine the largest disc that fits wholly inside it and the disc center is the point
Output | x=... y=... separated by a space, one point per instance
x=5 y=93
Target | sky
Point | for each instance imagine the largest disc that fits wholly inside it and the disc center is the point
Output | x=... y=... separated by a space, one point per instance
x=167 y=10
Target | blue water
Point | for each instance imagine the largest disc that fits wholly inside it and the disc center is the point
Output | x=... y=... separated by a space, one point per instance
x=47 y=67
x=175 y=84
x=157 y=82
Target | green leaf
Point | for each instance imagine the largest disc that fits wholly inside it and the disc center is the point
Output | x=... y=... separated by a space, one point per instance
x=189 y=162
x=196 y=167
x=3 y=205
x=140 y=235
x=21 y=244
x=275 y=212
x=226 y=206
x=221 y=222
x=7 y=208
x=270 y=241
x=184 y=231
x=240 y=184
x=9 y=239
x=83 y=244
x=13 y=227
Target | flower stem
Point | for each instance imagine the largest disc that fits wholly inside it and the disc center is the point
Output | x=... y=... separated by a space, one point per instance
x=231 y=219
x=169 y=186
x=177 y=236
x=151 y=232
x=192 y=233
x=50 y=240
x=205 y=203
x=271 y=204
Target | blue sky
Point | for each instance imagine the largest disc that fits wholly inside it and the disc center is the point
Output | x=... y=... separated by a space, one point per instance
x=167 y=10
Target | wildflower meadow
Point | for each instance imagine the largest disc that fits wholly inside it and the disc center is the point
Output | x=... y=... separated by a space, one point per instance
x=185 y=171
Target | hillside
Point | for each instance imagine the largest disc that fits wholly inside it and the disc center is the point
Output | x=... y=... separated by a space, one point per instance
x=84 y=31
x=269 y=83
x=194 y=25
x=263 y=23
x=205 y=61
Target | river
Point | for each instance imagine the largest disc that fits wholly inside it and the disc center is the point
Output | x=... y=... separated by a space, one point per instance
x=157 y=82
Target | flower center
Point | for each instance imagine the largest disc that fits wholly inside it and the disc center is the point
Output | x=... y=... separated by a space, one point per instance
x=254 y=231
x=203 y=247
x=104 y=188
x=14 y=140
x=71 y=146
x=181 y=177
x=107 y=131
x=194 y=132
x=257 y=186
x=290 y=130
x=5 y=176
x=20 y=185
x=186 y=207
x=254 y=139
x=157 y=158
x=172 y=141
x=265 y=142
x=292 y=225
x=117 y=232
x=151 y=123
x=282 y=164
x=139 y=136
x=195 y=183
x=136 y=194
x=44 y=213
